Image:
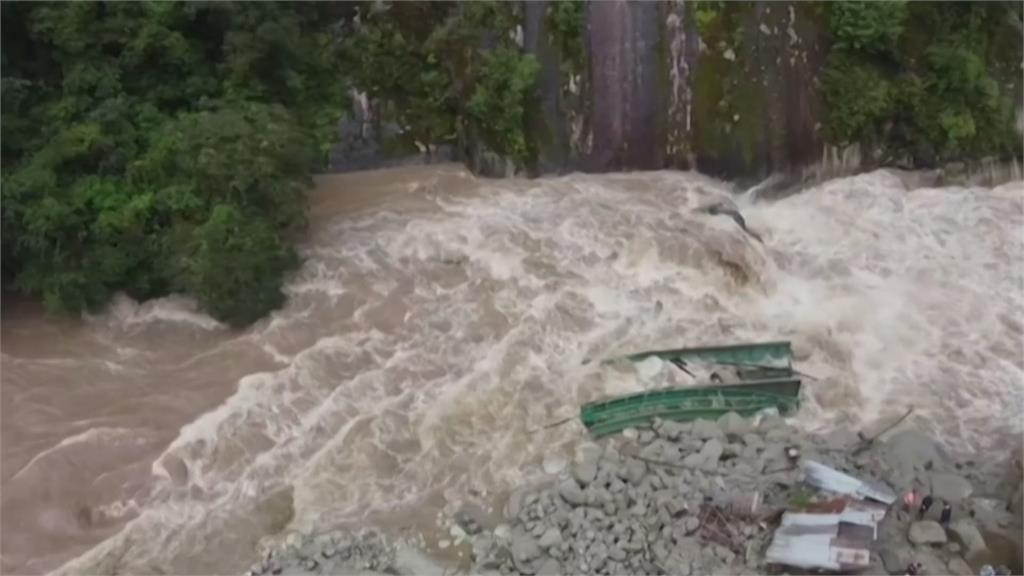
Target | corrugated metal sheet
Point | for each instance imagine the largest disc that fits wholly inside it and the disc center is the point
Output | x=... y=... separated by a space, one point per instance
x=811 y=551
x=834 y=535
x=821 y=541
x=832 y=480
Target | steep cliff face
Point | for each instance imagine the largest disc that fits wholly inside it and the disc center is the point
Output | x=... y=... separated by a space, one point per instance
x=623 y=40
x=735 y=96
x=739 y=90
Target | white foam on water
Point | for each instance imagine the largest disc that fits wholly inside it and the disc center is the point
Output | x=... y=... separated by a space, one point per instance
x=125 y=313
x=434 y=343
x=94 y=435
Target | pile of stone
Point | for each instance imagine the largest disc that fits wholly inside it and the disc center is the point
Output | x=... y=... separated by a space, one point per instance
x=674 y=499
x=367 y=553
x=684 y=498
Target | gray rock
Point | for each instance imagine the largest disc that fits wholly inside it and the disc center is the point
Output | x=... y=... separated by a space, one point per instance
x=661 y=451
x=514 y=506
x=751 y=439
x=571 y=492
x=617 y=554
x=950 y=487
x=693 y=460
x=691 y=524
x=553 y=464
x=471 y=518
x=749 y=453
x=630 y=433
x=958 y=567
x=706 y=429
x=550 y=537
x=488 y=554
x=732 y=424
x=893 y=560
x=549 y=567
x=967 y=535
x=646 y=437
x=725 y=554
x=672 y=430
x=927 y=532
x=635 y=471
x=524 y=547
x=771 y=422
x=584 y=472
x=710 y=454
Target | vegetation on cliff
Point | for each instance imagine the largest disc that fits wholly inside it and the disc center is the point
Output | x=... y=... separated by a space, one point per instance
x=443 y=70
x=923 y=82
x=166 y=147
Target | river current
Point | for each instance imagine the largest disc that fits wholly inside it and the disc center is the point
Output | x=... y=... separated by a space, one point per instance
x=440 y=322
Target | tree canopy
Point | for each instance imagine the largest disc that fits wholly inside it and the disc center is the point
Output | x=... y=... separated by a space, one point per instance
x=157 y=147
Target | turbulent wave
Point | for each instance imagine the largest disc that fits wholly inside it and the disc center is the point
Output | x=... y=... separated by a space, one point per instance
x=428 y=341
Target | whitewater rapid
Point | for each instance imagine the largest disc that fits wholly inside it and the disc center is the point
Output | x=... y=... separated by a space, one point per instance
x=440 y=322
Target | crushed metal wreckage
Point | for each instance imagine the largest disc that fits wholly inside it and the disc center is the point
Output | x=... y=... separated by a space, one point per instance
x=836 y=534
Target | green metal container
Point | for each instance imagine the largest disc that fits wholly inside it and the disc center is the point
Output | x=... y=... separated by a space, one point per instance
x=767 y=380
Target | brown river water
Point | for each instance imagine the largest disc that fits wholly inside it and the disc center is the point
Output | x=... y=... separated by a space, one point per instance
x=440 y=320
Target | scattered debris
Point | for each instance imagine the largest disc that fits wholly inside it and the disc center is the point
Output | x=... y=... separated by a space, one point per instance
x=832 y=480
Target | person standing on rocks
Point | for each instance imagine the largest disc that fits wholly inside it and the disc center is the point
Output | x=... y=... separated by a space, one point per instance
x=910 y=500
x=926 y=503
x=947 y=513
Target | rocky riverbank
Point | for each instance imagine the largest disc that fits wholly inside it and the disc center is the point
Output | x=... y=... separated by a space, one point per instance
x=698 y=498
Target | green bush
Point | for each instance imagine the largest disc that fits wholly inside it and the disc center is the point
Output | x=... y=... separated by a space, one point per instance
x=567 y=19
x=162 y=147
x=498 y=104
x=858 y=100
x=867 y=26
x=919 y=80
x=235 y=264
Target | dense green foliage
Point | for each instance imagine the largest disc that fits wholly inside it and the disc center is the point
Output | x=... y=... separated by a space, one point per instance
x=153 y=147
x=868 y=26
x=448 y=69
x=921 y=81
x=566 y=20
x=498 y=102
x=161 y=147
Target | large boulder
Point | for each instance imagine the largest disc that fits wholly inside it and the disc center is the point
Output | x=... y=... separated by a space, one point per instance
x=967 y=535
x=910 y=452
x=957 y=567
x=950 y=487
x=927 y=532
x=894 y=560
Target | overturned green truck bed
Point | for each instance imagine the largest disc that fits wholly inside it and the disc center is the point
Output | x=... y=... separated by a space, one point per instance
x=766 y=380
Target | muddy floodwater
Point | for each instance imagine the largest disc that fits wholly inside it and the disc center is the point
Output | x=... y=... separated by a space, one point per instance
x=440 y=321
